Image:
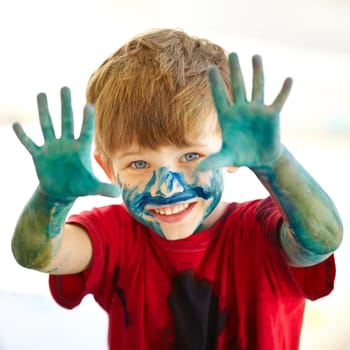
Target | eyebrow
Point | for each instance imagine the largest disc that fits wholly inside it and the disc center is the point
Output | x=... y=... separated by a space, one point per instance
x=140 y=152
x=129 y=154
x=197 y=144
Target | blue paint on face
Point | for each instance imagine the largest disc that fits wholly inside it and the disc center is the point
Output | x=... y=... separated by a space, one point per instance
x=215 y=188
x=158 y=192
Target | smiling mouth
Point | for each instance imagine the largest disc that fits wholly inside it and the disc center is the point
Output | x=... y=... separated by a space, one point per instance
x=174 y=212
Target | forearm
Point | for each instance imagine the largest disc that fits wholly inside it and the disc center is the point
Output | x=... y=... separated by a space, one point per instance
x=37 y=234
x=308 y=211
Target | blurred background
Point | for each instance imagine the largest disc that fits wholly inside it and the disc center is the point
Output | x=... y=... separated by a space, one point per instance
x=48 y=44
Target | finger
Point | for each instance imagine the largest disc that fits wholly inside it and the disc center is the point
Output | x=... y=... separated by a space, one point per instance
x=25 y=140
x=218 y=90
x=45 y=118
x=258 y=80
x=66 y=114
x=237 y=81
x=88 y=126
x=213 y=161
x=108 y=190
x=283 y=94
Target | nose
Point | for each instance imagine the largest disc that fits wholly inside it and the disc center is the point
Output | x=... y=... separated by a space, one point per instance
x=167 y=183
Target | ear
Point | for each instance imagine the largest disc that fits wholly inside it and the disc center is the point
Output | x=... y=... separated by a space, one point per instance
x=108 y=171
x=232 y=169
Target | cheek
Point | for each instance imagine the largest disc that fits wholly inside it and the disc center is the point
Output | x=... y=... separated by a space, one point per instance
x=126 y=181
x=130 y=192
x=134 y=188
x=206 y=179
x=213 y=183
x=218 y=179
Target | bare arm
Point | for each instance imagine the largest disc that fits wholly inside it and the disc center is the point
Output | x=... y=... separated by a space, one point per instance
x=43 y=242
x=41 y=239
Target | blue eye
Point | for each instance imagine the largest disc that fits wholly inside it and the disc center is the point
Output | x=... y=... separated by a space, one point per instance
x=139 y=164
x=190 y=157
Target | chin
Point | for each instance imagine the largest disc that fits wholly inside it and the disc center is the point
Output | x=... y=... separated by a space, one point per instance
x=178 y=231
x=176 y=236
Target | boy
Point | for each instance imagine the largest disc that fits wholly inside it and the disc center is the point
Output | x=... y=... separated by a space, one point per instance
x=174 y=266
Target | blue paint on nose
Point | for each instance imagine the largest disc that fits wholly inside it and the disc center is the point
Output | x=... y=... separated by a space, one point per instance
x=168 y=180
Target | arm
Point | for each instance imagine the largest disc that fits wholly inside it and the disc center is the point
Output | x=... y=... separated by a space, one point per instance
x=41 y=240
x=312 y=229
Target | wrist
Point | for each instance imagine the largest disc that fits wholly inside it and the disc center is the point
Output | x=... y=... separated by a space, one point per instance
x=57 y=210
x=54 y=198
x=274 y=162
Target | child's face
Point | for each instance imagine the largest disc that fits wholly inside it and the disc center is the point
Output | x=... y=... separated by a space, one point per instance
x=162 y=188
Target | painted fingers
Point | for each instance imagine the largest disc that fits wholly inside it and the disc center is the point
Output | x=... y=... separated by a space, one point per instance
x=250 y=129
x=219 y=92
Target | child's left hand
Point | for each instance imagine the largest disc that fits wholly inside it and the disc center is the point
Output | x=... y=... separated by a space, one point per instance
x=250 y=130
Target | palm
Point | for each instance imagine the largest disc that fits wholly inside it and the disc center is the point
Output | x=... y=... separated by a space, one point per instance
x=250 y=130
x=63 y=165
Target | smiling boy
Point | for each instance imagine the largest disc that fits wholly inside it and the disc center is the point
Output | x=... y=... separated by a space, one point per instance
x=174 y=266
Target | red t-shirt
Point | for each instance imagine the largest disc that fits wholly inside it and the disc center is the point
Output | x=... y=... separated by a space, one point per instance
x=228 y=287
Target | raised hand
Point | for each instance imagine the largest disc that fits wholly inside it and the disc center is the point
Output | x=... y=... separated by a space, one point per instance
x=250 y=129
x=63 y=165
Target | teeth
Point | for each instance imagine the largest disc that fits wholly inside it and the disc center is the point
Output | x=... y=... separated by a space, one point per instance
x=172 y=210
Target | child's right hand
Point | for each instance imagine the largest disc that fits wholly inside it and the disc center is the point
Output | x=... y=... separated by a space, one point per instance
x=63 y=165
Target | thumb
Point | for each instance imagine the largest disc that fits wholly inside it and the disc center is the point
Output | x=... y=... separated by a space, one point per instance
x=108 y=190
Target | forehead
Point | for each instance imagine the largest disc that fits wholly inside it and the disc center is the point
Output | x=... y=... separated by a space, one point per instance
x=206 y=142
x=180 y=133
